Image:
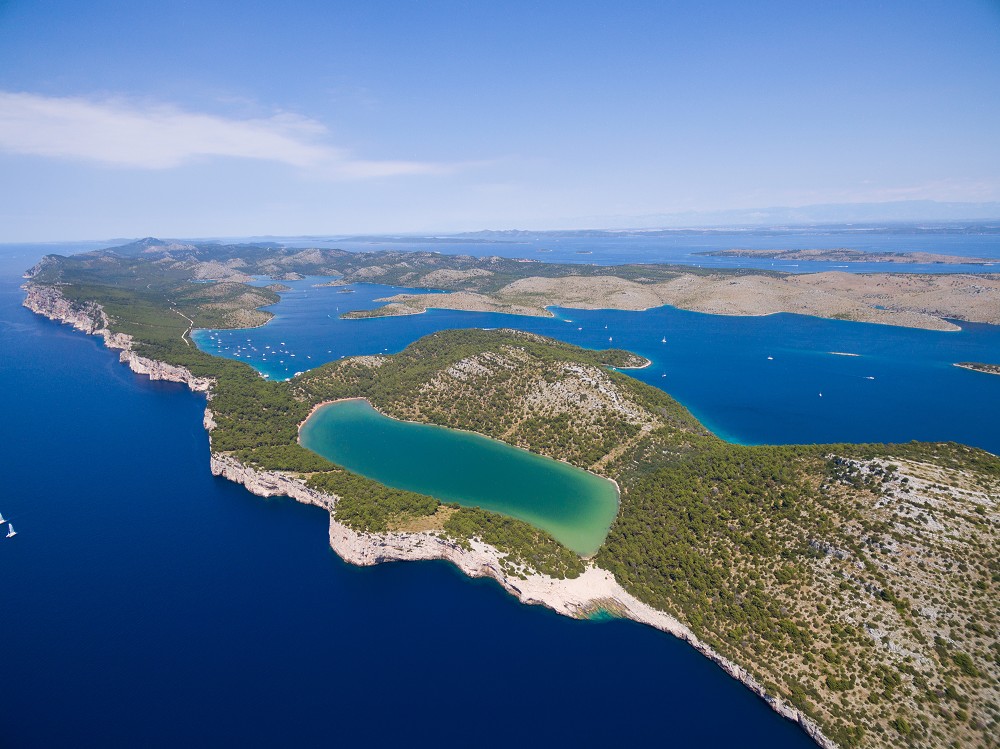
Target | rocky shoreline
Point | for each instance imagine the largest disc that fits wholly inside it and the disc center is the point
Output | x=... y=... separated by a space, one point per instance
x=89 y=318
x=595 y=590
x=993 y=369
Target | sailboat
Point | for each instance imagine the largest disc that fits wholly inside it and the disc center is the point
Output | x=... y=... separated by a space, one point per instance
x=664 y=339
x=10 y=531
x=2 y=521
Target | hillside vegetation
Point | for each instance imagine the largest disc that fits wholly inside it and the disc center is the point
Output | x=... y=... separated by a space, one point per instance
x=858 y=581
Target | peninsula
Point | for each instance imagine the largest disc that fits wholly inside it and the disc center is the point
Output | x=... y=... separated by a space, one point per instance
x=854 y=587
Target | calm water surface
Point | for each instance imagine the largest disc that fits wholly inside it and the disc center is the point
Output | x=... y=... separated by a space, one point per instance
x=454 y=466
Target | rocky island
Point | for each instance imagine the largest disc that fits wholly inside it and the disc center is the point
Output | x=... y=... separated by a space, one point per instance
x=980 y=367
x=851 y=586
x=845 y=255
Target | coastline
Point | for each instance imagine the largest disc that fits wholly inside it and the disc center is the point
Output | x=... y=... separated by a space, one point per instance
x=594 y=590
x=649 y=363
x=993 y=369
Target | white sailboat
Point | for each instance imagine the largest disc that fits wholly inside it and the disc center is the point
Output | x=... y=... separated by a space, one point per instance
x=664 y=339
x=10 y=531
x=2 y=521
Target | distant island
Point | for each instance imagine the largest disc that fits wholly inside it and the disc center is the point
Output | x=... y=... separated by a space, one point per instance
x=499 y=284
x=844 y=255
x=851 y=586
x=979 y=367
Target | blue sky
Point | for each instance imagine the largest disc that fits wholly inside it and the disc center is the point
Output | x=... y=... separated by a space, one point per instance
x=224 y=118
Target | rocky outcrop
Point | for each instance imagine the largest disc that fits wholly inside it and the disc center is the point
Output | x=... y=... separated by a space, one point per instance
x=269 y=483
x=157 y=370
x=89 y=318
x=594 y=590
x=49 y=302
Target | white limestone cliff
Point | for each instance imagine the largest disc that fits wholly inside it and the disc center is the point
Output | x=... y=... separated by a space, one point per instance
x=89 y=318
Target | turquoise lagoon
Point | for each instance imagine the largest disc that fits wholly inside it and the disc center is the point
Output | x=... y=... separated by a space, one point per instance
x=573 y=505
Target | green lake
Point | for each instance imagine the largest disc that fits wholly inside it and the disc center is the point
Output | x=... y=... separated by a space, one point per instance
x=575 y=506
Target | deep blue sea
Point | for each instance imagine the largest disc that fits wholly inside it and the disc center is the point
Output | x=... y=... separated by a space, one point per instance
x=146 y=603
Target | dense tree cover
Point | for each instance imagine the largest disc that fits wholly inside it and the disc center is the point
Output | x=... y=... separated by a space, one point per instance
x=366 y=505
x=291 y=458
x=720 y=497
x=529 y=548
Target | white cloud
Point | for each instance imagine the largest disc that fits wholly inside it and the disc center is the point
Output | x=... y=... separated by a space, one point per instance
x=162 y=136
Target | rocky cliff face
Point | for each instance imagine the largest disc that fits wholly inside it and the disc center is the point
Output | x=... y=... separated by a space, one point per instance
x=89 y=318
x=49 y=302
x=596 y=589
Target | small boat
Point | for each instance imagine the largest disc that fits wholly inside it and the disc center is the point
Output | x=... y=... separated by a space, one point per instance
x=664 y=340
x=820 y=395
x=10 y=531
x=610 y=339
x=2 y=521
x=770 y=358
